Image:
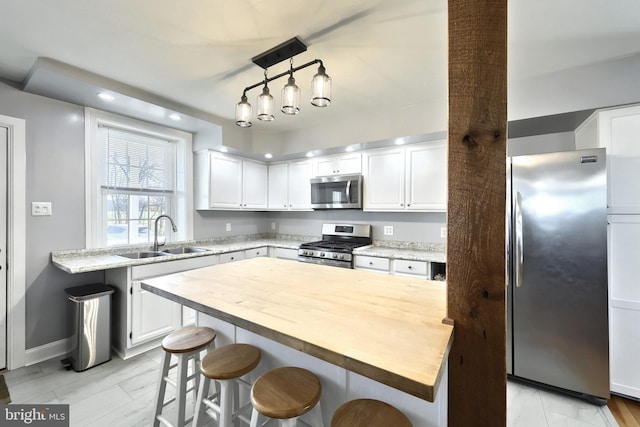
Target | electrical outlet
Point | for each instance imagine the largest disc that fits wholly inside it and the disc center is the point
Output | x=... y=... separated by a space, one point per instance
x=41 y=209
x=443 y=232
x=228 y=226
x=273 y=225
x=388 y=230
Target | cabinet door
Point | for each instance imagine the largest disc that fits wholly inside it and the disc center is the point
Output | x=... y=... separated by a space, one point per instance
x=278 y=187
x=338 y=165
x=231 y=256
x=225 y=189
x=623 y=153
x=427 y=177
x=152 y=316
x=257 y=252
x=383 y=178
x=254 y=185
x=300 y=185
x=624 y=296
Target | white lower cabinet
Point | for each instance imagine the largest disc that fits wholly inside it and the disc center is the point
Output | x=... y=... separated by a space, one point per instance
x=141 y=318
x=378 y=265
x=284 y=253
x=253 y=253
x=624 y=309
x=400 y=267
x=231 y=257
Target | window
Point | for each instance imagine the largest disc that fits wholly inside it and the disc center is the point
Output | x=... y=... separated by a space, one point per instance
x=137 y=173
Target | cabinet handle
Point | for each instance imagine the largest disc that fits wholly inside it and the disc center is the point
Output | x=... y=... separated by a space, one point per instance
x=284 y=206
x=232 y=258
x=410 y=267
x=401 y=204
x=370 y=262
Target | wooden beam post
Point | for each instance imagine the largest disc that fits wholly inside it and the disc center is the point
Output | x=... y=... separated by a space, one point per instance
x=476 y=281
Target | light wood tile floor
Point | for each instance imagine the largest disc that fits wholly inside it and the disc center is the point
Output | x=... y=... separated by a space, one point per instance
x=121 y=393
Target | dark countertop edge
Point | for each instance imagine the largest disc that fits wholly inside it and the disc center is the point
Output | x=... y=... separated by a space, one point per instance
x=414 y=388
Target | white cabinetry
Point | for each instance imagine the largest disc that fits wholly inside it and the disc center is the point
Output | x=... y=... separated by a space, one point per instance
x=141 y=318
x=229 y=182
x=617 y=131
x=400 y=267
x=284 y=253
x=289 y=185
x=379 y=265
x=412 y=178
x=340 y=164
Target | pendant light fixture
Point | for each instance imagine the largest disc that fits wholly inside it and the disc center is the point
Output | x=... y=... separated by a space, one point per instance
x=243 y=112
x=320 y=91
x=265 y=102
x=290 y=94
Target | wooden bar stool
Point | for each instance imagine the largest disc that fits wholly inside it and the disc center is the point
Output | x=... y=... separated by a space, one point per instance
x=368 y=413
x=226 y=365
x=285 y=394
x=185 y=344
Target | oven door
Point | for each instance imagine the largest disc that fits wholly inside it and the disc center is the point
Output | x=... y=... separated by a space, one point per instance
x=336 y=192
x=325 y=261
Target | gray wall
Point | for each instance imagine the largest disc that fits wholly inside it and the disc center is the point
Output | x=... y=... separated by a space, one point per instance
x=55 y=173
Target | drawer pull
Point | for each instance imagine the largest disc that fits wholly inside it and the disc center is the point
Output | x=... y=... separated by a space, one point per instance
x=409 y=267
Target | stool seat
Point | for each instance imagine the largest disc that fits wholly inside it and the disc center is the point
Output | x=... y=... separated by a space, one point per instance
x=286 y=392
x=188 y=339
x=368 y=413
x=230 y=361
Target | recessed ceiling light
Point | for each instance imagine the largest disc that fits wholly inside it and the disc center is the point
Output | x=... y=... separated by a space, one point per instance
x=268 y=155
x=399 y=141
x=106 y=96
x=310 y=154
x=175 y=116
x=348 y=149
x=224 y=149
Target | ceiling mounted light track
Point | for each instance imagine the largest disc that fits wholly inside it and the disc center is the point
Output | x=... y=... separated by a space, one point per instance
x=320 y=90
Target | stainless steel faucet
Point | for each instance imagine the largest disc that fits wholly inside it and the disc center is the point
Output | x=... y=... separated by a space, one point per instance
x=155 y=234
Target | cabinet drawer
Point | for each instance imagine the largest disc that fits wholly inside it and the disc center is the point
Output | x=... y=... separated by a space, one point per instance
x=372 y=263
x=231 y=256
x=285 y=253
x=411 y=267
x=252 y=253
x=169 y=267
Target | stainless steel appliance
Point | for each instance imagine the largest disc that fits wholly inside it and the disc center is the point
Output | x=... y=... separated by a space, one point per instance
x=557 y=291
x=336 y=246
x=336 y=192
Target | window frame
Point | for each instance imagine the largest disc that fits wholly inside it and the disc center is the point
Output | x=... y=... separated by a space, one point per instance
x=182 y=201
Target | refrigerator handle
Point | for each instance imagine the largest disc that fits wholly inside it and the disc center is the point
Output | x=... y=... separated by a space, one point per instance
x=519 y=255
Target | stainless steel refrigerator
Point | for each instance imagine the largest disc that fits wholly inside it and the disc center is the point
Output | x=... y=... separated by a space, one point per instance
x=557 y=331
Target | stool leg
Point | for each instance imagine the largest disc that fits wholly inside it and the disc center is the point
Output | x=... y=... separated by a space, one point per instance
x=225 y=403
x=289 y=422
x=200 y=406
x=255 y=418
x=195 y=369
x=316 y=416
x=181 y=388
x=162 y=386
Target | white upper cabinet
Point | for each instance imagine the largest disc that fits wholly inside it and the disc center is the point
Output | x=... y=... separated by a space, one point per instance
x=341 y=164
x=616 y=130
x=229 y=182
x=383 y=179
x=412 y=178
x=426 y=188
x=289 y=185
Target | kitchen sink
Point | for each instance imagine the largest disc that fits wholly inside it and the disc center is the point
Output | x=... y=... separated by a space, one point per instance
x=144 y=254
x=183 y=250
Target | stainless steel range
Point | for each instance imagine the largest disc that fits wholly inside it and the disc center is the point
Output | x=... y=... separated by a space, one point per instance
x=336 y=246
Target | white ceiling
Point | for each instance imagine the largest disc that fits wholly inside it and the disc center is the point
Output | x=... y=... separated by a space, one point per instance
x=380 y=54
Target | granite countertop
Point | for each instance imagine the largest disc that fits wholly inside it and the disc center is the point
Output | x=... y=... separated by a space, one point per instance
x=86 y=260
x=411 y=251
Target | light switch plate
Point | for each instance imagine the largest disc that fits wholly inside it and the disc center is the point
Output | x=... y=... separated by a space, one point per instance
x=443 y=232
x=41 y=209
x=228 y=226
x=388 y=230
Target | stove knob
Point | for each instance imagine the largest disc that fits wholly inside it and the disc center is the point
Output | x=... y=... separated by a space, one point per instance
x=341 y=256
x=321 y=254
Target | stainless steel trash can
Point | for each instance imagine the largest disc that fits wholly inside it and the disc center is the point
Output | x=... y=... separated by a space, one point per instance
x=91 y=323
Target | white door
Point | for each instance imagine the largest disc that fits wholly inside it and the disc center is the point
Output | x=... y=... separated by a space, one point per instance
x=300 y=185
x=3 y=246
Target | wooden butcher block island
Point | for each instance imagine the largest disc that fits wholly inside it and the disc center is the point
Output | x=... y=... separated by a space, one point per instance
x=387 y=328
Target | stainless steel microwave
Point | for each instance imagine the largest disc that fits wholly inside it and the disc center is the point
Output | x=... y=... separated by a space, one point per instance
x=336 y=192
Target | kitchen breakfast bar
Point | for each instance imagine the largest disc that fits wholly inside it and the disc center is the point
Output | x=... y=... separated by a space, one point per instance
x=364 y=334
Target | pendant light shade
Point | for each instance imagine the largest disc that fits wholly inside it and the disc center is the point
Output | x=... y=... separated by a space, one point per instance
x=321 y=88
x=243 y=113
x=265 y=105
x=290 y=97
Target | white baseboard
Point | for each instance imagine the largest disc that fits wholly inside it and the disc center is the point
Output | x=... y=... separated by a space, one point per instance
x=48 y=351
